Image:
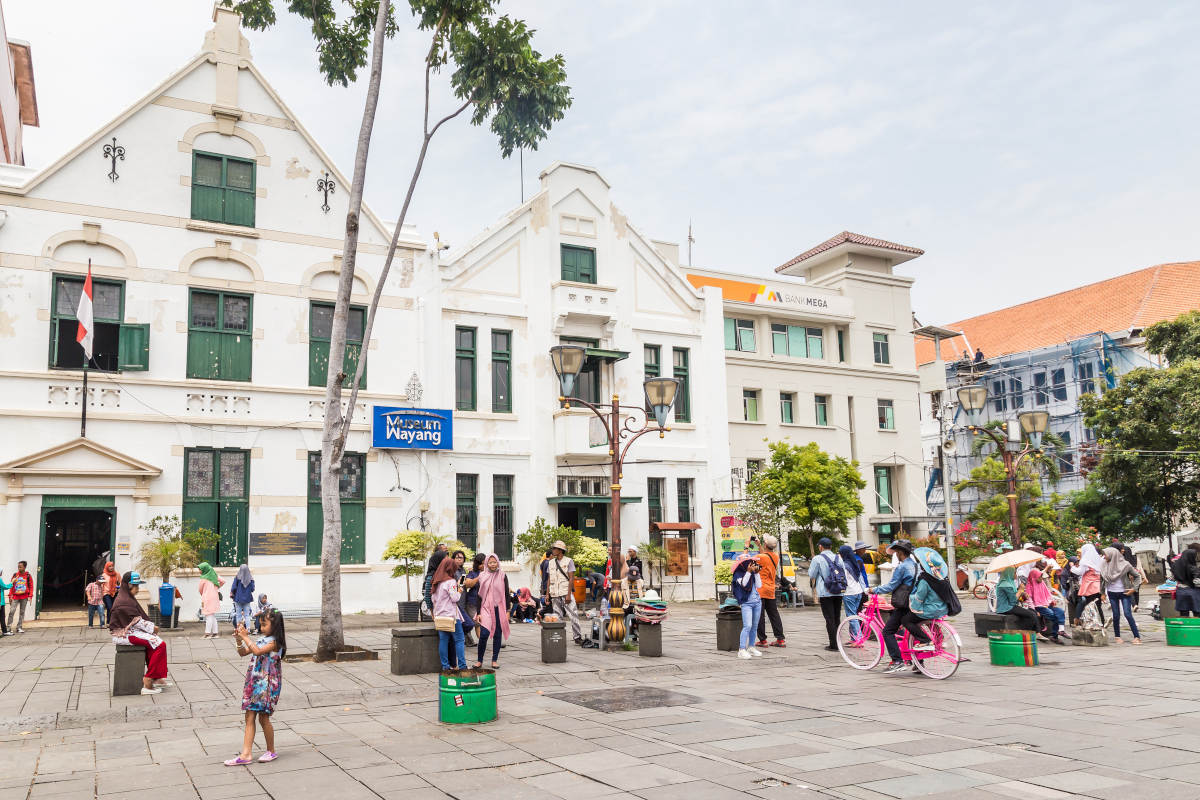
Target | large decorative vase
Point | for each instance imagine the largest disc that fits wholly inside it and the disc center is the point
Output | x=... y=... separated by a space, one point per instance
x=615 y=632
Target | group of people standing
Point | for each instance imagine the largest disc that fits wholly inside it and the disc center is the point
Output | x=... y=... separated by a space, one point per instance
x=463 y=601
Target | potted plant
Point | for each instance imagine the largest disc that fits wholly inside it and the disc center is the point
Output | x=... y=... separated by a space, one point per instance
x=172 y=545
x=413 y=549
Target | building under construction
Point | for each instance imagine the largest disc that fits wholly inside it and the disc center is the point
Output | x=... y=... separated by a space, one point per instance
x=1042 y=355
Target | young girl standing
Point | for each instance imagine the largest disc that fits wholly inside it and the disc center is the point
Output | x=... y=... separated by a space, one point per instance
x=263 y=680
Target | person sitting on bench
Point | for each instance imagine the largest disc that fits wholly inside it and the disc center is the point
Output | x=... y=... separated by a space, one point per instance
x=128 y=624
x=1006 y=602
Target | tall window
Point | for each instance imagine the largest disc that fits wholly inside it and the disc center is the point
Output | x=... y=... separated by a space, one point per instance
x=683 y=496
x=750 y=405
x=464 y=369
x=999 y=398
x=880 y=343
x=216 y=496
x=739 y=335
x=466 y=509
x=502 y=372
x=1066 y=459
x=821 y=403
x=587 y=383
x=816 y=342
x=353 y=493
x=220 y=335
x=578 y=264
x=1040 y=397
x=320 y=330
x=1016 y=388
x=654 y=498
x=115 y=346
x=1058 y=380
x=683 y=396
x=502 y=516
x=883 y=490
x=1087 y=378
x=652 y=364
x=787 y=407
x=887 y=415
x=841 y=341
x=223 y=189
x=797 y=341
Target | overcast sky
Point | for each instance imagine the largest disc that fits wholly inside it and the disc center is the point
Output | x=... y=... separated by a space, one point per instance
x=1026 y=147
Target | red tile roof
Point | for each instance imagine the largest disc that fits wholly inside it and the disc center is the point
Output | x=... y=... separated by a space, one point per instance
x=1136 y=300
x=846 y=237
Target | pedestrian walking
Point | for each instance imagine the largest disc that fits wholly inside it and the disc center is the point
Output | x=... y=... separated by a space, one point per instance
x=1043 y=603
x=128 y=624
x=112 y=582
x=264 y=679
x=19 y=596
x=769 y=575
x=1088 y=572
x=210 y=598
x=856 y=584
x=242 y=592
x=829 y=574
x=1121 y=582
x=447 y=618
x=492 y=618
x=93 y=595
x=746 y=584
x=560 y=583
x=900 y=586
x=1186 y=572
x=4 y=587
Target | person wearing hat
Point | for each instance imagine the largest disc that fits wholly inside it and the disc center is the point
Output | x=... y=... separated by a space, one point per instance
x=900 y=586
x=863 y=554
x=560 y=584
x=128 y=624
x=823 y=570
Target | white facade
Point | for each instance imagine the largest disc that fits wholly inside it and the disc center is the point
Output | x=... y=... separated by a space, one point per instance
x=826 y=357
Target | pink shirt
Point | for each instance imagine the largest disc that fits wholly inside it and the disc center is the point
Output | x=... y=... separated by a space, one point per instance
x=210 y=603
x=445 y=600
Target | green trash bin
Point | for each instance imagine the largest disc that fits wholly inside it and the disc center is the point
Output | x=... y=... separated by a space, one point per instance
x=1013 y=648
x=467 y=697
x=1183 y=631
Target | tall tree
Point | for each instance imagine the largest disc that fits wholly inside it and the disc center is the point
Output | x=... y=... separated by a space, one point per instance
x=818 y=492
x=501 y=79
x=1175 y=339
x=1037 y=518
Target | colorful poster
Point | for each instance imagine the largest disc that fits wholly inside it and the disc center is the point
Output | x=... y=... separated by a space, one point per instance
x=730 y=532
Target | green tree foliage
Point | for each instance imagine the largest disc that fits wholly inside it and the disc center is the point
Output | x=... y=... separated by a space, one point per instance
x=760 y=511
x=413 y=549
x=818 y=492
x=1090 y=508
x=538 y=537
x=1175 y=339
x=1037 y=518
x=172 y=545
x=590 y=555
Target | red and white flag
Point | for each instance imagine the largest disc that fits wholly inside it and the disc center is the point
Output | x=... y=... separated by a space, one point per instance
x=83 y=334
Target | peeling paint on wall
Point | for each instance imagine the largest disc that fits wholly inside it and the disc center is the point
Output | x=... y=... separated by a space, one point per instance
x=7 y=330
x=540 y=213
x=620 y=222
x=284 y=521
x=160 y=308
x=295 y=169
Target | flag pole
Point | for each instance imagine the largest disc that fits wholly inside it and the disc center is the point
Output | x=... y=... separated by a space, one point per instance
x=84 y=336
x=83 y=419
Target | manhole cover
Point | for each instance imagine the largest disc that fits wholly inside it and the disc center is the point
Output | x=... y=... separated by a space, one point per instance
x=626 y=698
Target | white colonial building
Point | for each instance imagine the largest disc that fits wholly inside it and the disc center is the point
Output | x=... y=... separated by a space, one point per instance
x=824 y=353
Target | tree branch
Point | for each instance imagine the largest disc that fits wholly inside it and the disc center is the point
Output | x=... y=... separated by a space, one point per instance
x=449 y=117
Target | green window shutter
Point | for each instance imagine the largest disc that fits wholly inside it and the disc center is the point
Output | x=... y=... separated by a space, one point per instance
x=587 y=266
x=316 y=532
x=795 y=335
x=133 y=348
x=208 y=198
x=202 y=514
x=202 y=355
x=354 y=539
x=730 y=334
x=349 y=364
x=234 y=356
x=570 y=269
x=234 y=529
x=318 y=362
x=578 y=264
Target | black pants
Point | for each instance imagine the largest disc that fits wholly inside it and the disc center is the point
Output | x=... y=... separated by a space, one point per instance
x=831 y=608
x=770 y=608
x=911 y=623
x=493 y=631
x=1029 y=620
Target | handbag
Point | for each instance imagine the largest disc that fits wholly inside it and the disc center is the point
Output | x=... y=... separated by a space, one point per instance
x=900 y=595
x=444 y=624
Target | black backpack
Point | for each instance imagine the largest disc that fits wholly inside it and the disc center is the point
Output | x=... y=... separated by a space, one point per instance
x=945 y=593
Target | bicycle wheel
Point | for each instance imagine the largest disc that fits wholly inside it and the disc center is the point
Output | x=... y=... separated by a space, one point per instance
x=943 y=661
x=991 y=599
x=862 y=651
x=981 y=590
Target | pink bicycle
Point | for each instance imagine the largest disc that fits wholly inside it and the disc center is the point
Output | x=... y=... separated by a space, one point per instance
x=860 y=641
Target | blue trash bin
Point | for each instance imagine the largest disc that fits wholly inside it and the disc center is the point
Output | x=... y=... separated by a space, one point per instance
x=166 y=603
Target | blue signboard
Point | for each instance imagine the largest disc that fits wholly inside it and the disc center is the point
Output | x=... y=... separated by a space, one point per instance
x=412 y=428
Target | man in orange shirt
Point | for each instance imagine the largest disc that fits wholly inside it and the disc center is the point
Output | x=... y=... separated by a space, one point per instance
x=769 y=559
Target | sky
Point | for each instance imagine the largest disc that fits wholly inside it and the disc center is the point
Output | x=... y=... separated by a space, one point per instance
x=1027 y=147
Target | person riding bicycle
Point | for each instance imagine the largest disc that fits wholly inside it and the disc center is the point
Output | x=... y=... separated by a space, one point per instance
x=901 y=587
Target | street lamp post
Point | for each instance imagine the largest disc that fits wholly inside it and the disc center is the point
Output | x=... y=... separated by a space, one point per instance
x=567 y=361
x=1033 y=425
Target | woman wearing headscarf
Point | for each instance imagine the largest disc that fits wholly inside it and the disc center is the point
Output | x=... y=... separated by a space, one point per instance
x=855 y=586
x=128 y=625
x=242 y=592
x=493 y=610
x=745 y=584
x=210 y=598
x=526 y=607
x=112 y=581
x=1186 y=572
x=1043 y=603
x=1006 y=601
x=447 y=617
x=1121 y=582
x=1088 y=571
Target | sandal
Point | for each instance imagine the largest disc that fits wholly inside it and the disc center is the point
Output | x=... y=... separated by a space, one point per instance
x=496 y=666
x=267 y=756
x=238 y=761
x=478 y=665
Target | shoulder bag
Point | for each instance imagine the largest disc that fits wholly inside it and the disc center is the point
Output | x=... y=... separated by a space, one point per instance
x=444 y=624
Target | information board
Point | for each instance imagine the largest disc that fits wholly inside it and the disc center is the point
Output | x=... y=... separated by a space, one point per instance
x=729 y=532
x=412 y=428
x=278 y=543
x=677 y=555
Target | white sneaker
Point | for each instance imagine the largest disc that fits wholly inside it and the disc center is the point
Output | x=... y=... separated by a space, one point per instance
x=20 y=630
x=151 y=691
x=744 y=654
x=754 y=651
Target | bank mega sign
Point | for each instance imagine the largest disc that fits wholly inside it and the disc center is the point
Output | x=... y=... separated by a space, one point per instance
x=412 y=428
x=793 y=298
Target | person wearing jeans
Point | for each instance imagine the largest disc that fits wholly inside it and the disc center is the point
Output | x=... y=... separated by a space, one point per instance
x=1121 y=582
x=768 y=560
x=242 y=592
x=820 y=570
x=746 y=584
x=445 y=596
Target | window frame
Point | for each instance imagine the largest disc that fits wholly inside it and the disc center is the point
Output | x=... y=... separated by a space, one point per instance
x=884 y=504
x=578 y=275
x=129 y=336
x=591 y=368
x=349 y=362
x=750 y=403
x=1058 y=384
x=787 y=408
x=685 y=490
x=821 y=409
x=225 y=188
x=466 y=355
x=219 y=504
x=735 y=329
x=1041 y=395
x=682 y=373
x=219 y=329
x=502 y=364
x=999 y=396
x=886 y=413
x=354 y=513
x=1086 y=375
x=502 y=516
x=466 y=503
x=881 y=348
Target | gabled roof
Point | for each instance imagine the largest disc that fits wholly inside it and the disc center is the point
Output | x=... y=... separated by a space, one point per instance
x=1127 y=302
x=80 y=456
x=848 y=238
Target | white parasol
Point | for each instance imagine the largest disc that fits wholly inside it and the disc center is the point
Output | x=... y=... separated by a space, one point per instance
x=1013 y=558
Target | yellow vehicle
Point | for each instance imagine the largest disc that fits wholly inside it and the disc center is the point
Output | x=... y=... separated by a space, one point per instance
x=789 y=563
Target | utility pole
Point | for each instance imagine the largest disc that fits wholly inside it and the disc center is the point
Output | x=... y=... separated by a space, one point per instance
x=951 y=556
x=691 y=240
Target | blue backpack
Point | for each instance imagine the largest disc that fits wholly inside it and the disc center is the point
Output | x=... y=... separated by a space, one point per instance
x=835 y=580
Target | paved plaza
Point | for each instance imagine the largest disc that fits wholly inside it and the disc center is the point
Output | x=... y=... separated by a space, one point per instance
x=1118 y=723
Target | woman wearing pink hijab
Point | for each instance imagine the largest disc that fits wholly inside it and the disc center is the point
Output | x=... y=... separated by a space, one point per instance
x=492 y=619
x=1043 y=602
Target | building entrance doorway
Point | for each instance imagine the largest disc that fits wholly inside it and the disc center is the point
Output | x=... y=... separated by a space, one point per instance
x=71 y=540
x=589 y=518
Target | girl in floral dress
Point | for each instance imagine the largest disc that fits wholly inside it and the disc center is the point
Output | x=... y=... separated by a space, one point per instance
x=263 y=679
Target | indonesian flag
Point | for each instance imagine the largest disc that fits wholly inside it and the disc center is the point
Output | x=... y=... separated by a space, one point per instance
x=83 y=334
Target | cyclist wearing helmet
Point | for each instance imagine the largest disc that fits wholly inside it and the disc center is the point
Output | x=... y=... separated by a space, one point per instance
x=900 y=586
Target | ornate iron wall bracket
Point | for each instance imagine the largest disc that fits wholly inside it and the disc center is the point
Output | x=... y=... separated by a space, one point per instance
x=328 y=186
x=113 y=152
